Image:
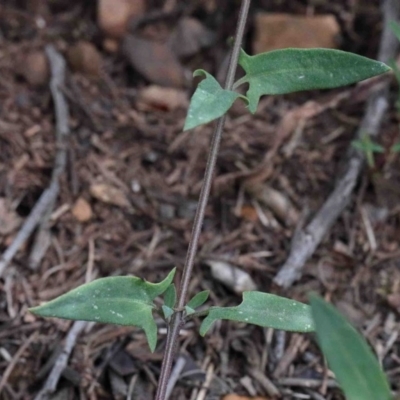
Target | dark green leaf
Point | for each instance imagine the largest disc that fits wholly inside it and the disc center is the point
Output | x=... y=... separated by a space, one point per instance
x=293 y=70
x=122 y=300
x=210 y=101
x=266 y=310
x=199 y=299
x=348 y=355
x=170 y=296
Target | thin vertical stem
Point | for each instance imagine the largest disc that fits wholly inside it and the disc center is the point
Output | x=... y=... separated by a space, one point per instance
x=176 y=320
x=212 y=159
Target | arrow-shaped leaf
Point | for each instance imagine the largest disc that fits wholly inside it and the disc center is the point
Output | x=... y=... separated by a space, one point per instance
x=122 y=300
x=348 y=355
x=210 y=101
x=266 y=310
x=293 y=70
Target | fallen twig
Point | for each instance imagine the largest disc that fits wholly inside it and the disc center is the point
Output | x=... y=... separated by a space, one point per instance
x=61 y=362
x=306 y=240
x=41 y=212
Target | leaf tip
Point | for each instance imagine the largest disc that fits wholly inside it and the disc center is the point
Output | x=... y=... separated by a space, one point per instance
x=200 y=72
x=33 y=310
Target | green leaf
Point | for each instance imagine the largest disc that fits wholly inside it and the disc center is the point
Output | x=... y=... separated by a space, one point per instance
x=266 y=310
x=122 y=300
x=348 y=355
x=395 y=28
x=199 y=299
x=189 y=310
x=210 y=101
x=293 y=70
x=167 y=311
x=395 y=69
x=170 y=296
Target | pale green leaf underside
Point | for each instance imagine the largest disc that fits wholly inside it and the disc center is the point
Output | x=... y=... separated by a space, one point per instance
x=167 y=311
x=293 y=70
x=209 y=102
x=189 y=310
x=265 y=310
x=348 y=355
x=122 y=300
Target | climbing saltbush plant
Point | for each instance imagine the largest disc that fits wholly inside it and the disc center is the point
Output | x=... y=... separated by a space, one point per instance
x=129 y=300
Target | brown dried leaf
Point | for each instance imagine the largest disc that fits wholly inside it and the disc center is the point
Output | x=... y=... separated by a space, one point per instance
x=278 y=31
x=154 y=60
x=82 y=210
x=109 y=194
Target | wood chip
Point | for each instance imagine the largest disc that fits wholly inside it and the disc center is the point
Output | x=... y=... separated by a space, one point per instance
x=109 y=194
x=82 y=210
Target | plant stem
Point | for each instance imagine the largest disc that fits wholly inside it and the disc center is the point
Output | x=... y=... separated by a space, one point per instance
x=176 y=320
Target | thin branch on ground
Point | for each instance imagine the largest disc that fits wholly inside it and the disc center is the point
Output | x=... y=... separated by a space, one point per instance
x=41 y=212
x=306 y=241
x=61 y=362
